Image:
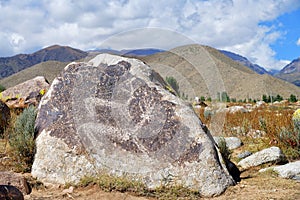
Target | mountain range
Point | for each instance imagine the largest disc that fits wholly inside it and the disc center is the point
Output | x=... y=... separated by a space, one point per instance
x=241 y=78
x=205 y=71
x=14 y=64
x=244 y=61
x=291 y=72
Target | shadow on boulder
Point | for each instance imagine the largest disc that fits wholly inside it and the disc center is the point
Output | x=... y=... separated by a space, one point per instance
x=233 y=170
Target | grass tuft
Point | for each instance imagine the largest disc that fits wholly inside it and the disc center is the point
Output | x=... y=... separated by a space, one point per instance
x=110 y=183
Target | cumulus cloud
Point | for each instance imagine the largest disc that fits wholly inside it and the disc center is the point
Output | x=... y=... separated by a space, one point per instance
x=234 y=25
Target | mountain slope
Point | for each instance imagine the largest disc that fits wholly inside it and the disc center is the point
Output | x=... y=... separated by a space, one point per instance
x=204 y=71
x=291 y=72
x=14 y=64
x=49 y=70
x=244 y=61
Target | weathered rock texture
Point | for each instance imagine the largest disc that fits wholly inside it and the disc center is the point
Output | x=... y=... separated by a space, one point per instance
x=10 y=192
x=269 y=155
x=114 y=115
x=289 y=170
x=4 y=116
x=14 y=179
x=231 y=142
x=28 y=92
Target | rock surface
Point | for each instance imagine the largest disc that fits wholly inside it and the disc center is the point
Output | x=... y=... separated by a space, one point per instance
x=289 y=170
x=231 y=142
x=29 y=92
x=272 y=154
x=113 y=114
x=14 y=179
x=244 y=154
x=235 y=109
x=10 y=192
x=4 y=116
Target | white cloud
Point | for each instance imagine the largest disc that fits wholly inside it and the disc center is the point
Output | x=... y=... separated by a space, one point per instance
x=298 y=42
x=233 y=25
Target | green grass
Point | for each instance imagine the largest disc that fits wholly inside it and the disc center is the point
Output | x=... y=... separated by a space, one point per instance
x=110 y=183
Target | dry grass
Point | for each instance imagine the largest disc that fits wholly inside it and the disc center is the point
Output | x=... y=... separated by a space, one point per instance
x=273 y=123
x=110 y=183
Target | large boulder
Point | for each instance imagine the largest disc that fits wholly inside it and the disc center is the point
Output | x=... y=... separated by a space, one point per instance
x=28 y=92
x=113 y=115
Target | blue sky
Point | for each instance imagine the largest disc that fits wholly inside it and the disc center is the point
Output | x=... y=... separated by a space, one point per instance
x=264 y=31
x=288 y=46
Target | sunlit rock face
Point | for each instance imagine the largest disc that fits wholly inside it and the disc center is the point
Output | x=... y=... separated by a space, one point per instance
x=113 y=114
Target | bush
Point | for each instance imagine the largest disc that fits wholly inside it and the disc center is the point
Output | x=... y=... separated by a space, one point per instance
x=224 y=150
x=21 y=139
x=173 y=83
x=2 y=88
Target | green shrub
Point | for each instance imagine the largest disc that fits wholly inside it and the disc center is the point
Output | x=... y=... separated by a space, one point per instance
x=173 y=83
x=224 y=150
x=2 y=88
x=21 y=139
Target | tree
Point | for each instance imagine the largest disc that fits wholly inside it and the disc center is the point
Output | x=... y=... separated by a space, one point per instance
x=265 y=98
x=293 y=98
x=173 y=83
x=225 y=97
x=278 y=98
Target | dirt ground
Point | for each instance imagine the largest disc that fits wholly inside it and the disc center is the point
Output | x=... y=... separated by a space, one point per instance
x=254 y=186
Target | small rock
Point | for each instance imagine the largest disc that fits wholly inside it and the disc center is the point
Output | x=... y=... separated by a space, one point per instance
x=272 y=154
x=297 y=178
x=231 y=142
x=17 y=180
x=244 y=154
x=255 y=133
x=70 y=190
x=234 y=109
x=10 y=192
x=260 y=104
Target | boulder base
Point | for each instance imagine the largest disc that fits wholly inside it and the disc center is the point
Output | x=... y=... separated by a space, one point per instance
x=113 y=115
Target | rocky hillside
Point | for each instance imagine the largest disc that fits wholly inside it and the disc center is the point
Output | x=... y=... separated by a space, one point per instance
x=291 y=72
x=14 y=64
x=204 y=71
x=258 y=69
x=48 y=69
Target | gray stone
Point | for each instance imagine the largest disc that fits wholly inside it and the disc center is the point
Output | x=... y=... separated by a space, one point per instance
x=25 y=93
x=10 y=192
x=231 y=142
x=235 y=109
x=113 y=114
x=17 y=180
x=269 y=155
x=289 y=170
x=244 y=154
